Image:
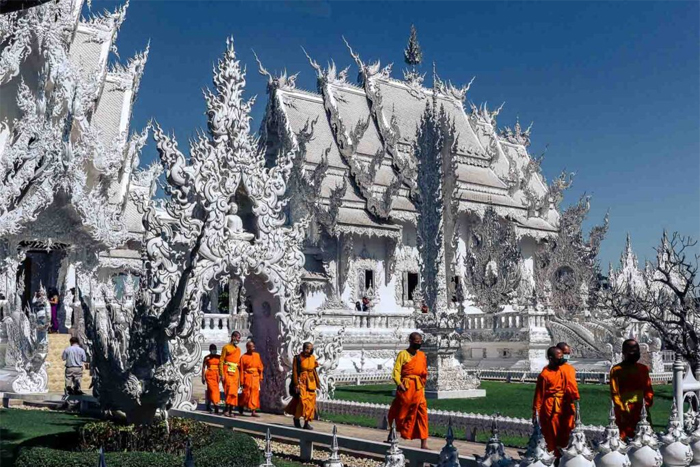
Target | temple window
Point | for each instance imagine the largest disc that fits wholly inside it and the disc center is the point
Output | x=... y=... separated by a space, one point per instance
x=411 y=284
x=369 y=279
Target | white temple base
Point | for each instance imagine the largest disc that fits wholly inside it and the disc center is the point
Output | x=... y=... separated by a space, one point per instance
x=463 y=394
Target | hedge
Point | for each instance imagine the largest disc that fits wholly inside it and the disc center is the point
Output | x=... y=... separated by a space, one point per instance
x=227 y=449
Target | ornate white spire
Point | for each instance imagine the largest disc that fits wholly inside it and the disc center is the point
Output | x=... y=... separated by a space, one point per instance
x=449 y=456
x=675 y=443
x=394 y=457
x=334 y=459
x=537 y=454
x=578 y=453
x=612 y=451
x=495 y=455
x=643 y=449
x=268 y=451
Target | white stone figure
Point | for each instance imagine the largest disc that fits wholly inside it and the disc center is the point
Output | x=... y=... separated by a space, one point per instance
x=612 y=451
x=578 y=453
x=644 y=448
x=268 y=451
x=234 y=225
x=537 y=454
x=394 y=456
x=695 y=441
x=495 y=455
x=675 y=443
x=334 y=459
x=449 y=456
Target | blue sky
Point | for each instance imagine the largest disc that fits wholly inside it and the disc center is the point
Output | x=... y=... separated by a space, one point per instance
x=612 y=87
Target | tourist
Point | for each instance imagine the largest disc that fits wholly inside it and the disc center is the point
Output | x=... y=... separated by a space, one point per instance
x=568 y=368
x=364 y=305
x=75 y=359
x=630 y=387
x=554 y=402
x=251 y=369
x=53 y=301
x=210 y=377
x=228 y=369
x=303 y=388
x=410 y=409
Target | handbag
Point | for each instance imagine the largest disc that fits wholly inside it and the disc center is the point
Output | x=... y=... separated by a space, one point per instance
x=293 y=391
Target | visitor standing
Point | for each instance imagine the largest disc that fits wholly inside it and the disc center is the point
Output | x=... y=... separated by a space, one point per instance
x=210 y=377
x=228 y=369
x=568 y=410
x=553 y=393
x=53 y=301
x=251 y=376
x=75 y=359
x=630 y=387
x=410 y=409
x=305 y=381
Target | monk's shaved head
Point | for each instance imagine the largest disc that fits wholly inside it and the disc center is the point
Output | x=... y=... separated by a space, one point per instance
x=413 y=336
x=552 y=351
x=629 y=344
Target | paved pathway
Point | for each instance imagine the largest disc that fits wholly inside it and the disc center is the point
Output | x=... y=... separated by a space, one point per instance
x=372 y=434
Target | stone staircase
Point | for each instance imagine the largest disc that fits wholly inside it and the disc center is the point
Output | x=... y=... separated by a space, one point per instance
x=55 y=365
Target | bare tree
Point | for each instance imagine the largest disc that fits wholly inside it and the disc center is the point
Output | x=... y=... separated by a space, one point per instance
x=666 y=294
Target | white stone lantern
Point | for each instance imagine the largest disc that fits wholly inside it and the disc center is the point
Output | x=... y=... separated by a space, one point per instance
x=612 y=451
x=578 y=453
x=675 y=443
x=537 y=454
x=644 y=448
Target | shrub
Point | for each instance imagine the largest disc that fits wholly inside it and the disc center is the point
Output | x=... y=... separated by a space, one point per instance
x=223 y=448
x=152 y=438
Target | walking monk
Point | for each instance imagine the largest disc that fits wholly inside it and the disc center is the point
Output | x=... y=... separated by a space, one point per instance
x=210 y=377
x=228 y=367
x=410 y=409
x=303 y=388
x=630 y=386
x=555 y=394
x=251 y=369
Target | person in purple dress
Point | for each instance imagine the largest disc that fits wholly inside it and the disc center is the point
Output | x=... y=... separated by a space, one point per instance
x=53 y=300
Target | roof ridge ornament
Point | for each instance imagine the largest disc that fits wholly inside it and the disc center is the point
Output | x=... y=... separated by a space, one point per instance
x=281 y=81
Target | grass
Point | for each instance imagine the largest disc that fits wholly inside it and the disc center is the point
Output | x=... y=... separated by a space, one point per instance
x=34 y=428
x=508 y=399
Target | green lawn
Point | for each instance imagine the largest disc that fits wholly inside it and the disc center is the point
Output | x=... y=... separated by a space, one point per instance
x=515 y=400
x=34 y=428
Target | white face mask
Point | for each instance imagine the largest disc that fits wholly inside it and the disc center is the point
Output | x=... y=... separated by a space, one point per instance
x=567 y=357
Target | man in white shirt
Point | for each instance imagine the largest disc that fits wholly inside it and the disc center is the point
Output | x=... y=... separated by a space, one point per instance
x=75 y=358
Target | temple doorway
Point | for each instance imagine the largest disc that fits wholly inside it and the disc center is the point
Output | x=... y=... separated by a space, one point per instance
x=262 y=307
x=40 y=268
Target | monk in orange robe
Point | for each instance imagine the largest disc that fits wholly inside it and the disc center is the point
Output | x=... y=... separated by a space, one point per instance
x=305 y=380
x=569 y=410
x=210 y=377
x=251 y=370
x=630 y=387
x=409 y=410
x=228 y=369
x=554 y=402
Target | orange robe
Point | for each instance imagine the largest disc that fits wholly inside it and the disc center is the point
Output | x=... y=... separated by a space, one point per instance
x=410 y=409
x=304 y=405
x=228 y=366
x=211 y=376
x=555 y=393
x=251 y=369
x=629 y=386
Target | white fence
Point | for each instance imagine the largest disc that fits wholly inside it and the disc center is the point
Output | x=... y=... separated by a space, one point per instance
x=468 y=423
x=379 y=377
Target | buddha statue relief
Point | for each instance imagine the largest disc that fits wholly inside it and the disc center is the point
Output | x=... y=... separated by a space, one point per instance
x=234 y=226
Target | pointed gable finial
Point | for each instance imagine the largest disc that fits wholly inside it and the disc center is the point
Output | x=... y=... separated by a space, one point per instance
x=413 y=55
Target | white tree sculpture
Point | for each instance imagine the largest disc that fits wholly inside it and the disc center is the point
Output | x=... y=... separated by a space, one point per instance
x=190 y=246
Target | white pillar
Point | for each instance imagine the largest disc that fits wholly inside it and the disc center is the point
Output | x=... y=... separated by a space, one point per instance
x=678 y=367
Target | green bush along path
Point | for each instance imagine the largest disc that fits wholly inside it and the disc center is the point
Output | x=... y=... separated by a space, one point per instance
x=508 y=399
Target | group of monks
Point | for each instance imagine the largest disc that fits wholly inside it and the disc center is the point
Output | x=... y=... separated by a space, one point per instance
x=236 y=372
x=557 y=391
x=553 y=405
x=244 y=374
